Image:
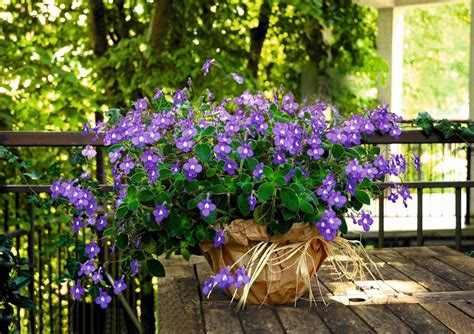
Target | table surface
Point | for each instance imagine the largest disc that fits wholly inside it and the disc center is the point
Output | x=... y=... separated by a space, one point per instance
x=417 y=289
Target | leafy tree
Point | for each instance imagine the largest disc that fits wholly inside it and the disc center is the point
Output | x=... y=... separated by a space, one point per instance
x=64 y=61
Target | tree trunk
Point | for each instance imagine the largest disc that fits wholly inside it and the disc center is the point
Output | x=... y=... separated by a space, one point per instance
x=257 y=36
x=97 y=28
x=158 y=23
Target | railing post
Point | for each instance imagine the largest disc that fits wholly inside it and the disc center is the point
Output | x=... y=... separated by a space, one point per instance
x=31 y=259
x=381 y=220
x=419 y=228
x=458 y=234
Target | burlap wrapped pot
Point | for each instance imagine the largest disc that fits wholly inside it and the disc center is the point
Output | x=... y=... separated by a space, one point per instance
x=285 y=263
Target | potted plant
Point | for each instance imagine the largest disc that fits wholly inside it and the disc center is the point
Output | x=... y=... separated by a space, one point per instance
x=262 y=184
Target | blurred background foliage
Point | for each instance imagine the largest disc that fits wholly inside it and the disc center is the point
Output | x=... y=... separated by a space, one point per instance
x=64 y=60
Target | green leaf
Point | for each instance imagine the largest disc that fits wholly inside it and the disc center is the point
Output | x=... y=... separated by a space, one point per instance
x=337 y=151
x=22 y=302
x=343 y=227
x=33 y=175
x=132 y=192
x=265 y=191
x=185 y=253
x=22 y=282
x=289 y=199
x=203 y=151
x=133 y=205
x=192 y=203
x=209 y=131
x=247 y=187
x=145 y=195
x=122 y=211
x=211 y=172
x=155 y=268
x=243 y=205
x=362 y=196
x=268 y=172
x=305 y=206
x=122 y=241
x=110 y=231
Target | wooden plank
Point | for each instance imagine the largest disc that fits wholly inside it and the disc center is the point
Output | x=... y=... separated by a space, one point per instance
x=179 y=305
x=259 y=320
x=463 y=263
x=450 y=274
x=177 y=260
x=443 y=250
x=300 y=320
x=417 y=252
x=221 y=321
x=381 y=319
x=465 y=306
x=418 y=274
x=420 y=320
x=396 y=280
x=340 y=319
x=451 y=317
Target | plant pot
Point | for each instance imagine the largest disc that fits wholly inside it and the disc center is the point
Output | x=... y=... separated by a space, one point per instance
x=290 y=261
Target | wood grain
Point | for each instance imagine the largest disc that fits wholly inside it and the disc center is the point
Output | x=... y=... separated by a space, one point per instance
x=340 y=319
x=257 y=320
x=381 y=319
x=420 y=320
x=451 y=317
x=300 y=320
x=224 y=320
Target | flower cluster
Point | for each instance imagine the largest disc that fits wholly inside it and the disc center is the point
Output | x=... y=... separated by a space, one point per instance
x=225 y=280
x=183 y=166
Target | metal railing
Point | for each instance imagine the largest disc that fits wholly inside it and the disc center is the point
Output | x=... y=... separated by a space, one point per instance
x=61 y=312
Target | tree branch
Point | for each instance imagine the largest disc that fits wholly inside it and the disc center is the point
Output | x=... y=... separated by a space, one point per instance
x=97 y=27
x=257 y=37
x=158 y=23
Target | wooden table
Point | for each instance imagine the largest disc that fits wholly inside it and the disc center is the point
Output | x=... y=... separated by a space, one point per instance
x=424 y=289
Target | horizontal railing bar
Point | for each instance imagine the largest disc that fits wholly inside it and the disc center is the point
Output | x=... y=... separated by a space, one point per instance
x=22 y=188
x=15 y=138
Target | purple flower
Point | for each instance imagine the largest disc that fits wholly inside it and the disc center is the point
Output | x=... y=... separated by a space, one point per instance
x=237 y=78
x=180 y=96
x=149 y=158
x=252 y=201
x=158 y=94
x=92 y=249
x=392 y=197
x=315 y=152
x=365 y=221
x=135 y=266
x=224 y=279
x=97 y=276
x=87 y=268
x=160 y=212
x=184 y=144
x=405 y=194
x=245 y=151
x=208 y=286
x=337 y=199
x=77 y=291
x=289 y=175
x=230 y=166
x=222 y=149
x=219 y=239
x=329 y=225
x=417 y=162
x=241 y=278
x=206 y=206
x=141 y=105
x=127 y=165
x=258 y=171
x=101 y=223
x=76 y=224
x=119 y=286
x=103 y=299
x=191 y=169
x=279 y=158
x=89 y=152
x=175 y=168
x=207 y=66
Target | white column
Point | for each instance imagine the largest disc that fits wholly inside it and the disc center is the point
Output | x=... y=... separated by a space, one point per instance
x=471 y=107
x=390 y=47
